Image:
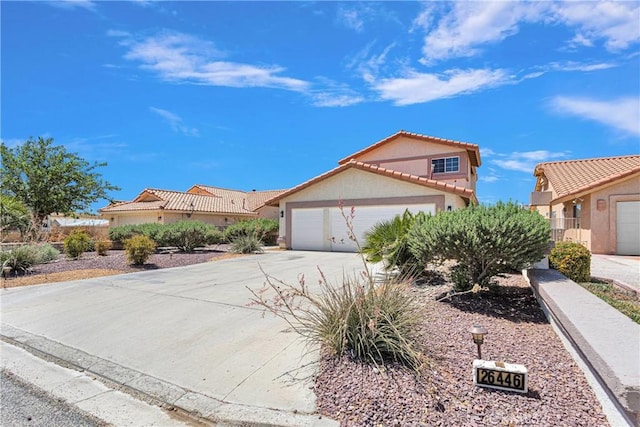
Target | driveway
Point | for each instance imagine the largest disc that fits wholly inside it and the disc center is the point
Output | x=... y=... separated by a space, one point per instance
x=184 y=336
x=623 y=269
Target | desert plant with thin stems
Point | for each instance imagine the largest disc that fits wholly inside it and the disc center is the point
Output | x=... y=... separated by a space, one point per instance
x=372 y=321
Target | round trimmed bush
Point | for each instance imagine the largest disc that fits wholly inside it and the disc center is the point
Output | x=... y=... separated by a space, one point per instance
x=76 y=243
x=573 y=260
x=139 y=248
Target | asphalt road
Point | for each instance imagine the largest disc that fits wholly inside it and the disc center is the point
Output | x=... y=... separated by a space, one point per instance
x=22 y=404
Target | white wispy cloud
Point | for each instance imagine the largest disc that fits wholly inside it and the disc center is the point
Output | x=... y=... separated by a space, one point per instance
x=355 y=15
x=467 y=27
x=417 y=87
x=581 y=66
x=175 y=122
x=351 y=17
x=615 y=22
x=622 y=114
x=334 y=94
x=325 y=99
x=182 y=58
x=74 y=4
x=526 y=161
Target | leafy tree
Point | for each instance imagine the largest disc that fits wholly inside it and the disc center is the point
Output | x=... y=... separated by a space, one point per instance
x=13 y=214
x=485 y=240
x=48 y=179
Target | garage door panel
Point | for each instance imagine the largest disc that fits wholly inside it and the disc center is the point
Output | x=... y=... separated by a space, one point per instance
x=628 y=228
x=364 y=218
x=307 y=229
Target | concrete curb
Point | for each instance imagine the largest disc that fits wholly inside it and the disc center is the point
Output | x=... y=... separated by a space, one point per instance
x=625 y=287
x=607 y=343
x=157 y=391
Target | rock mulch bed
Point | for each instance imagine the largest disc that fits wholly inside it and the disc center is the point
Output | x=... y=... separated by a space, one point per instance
x=91 y=264
x=559 y=395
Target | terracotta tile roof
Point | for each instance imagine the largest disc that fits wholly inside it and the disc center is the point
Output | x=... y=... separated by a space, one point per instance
x=438 y=185
x=154 y=199
x=257 y=199
x=217 y=191
x=572 y=177
x=472 y=149
x=205 y=199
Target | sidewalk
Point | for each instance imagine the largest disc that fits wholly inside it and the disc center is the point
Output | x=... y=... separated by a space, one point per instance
x=607 y=340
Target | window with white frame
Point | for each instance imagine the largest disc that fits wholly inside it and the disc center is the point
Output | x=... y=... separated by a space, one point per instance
x=446 y=164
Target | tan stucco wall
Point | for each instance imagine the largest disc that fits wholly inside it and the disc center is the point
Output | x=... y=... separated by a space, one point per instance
x=603 y=219
x=364 y=187
x=405 y=147
x=414 y=157
x=116 y=219
x=163 y=217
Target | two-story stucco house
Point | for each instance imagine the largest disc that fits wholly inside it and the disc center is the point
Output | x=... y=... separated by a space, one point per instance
x=595 y=202
x=404 y=171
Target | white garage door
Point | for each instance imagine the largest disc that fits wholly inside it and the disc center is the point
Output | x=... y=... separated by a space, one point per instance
x=306 y=229
x=628 y=228
x=326 y=228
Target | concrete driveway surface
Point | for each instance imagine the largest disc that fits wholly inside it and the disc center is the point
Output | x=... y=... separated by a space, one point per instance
x=183 y=336
x=623 y=269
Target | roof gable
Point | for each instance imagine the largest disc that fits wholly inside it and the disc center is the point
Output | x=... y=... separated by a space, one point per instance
x=472 y=149
x=199 y=198
x=572 y=177
x=148 y=195
x=414 y=179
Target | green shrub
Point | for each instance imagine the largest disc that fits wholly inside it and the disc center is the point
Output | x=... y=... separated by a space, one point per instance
x=76 y=243
x=265 y=229
x=20 y=259
x=571 y=259
x=188 y=235
x=486 y=240
x=461 y=278
x=124 y=232
x=139 y=248
x=102 y=246
x=214 y=236
x=387 y=241
x=375 y=323
x=44 y=252
x=246 y=244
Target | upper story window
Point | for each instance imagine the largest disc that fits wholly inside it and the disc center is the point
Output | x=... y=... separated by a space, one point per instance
x=447 y=164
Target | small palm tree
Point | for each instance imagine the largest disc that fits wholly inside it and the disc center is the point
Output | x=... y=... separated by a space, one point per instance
x=387 y=241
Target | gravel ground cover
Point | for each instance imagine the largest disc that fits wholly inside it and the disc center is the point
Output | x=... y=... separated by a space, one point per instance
x=91 y=264
x=559 y=395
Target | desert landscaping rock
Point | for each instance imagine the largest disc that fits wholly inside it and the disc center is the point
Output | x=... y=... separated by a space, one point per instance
x=559 y=395
x=91 y=264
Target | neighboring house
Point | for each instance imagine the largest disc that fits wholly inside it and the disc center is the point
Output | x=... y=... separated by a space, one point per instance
x=593 y=201
x=212 y=205
x=77 y=222
x=404 y=171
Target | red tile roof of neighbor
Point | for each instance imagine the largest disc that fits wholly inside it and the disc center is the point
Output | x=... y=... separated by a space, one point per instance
x=472 y=149
x=573 y=177
x=218 y=200
x=438 y=185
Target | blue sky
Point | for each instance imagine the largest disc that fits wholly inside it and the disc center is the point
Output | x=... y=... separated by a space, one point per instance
x=265 y=95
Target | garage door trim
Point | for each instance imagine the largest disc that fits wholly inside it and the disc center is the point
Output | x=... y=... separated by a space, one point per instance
x=438 y=200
